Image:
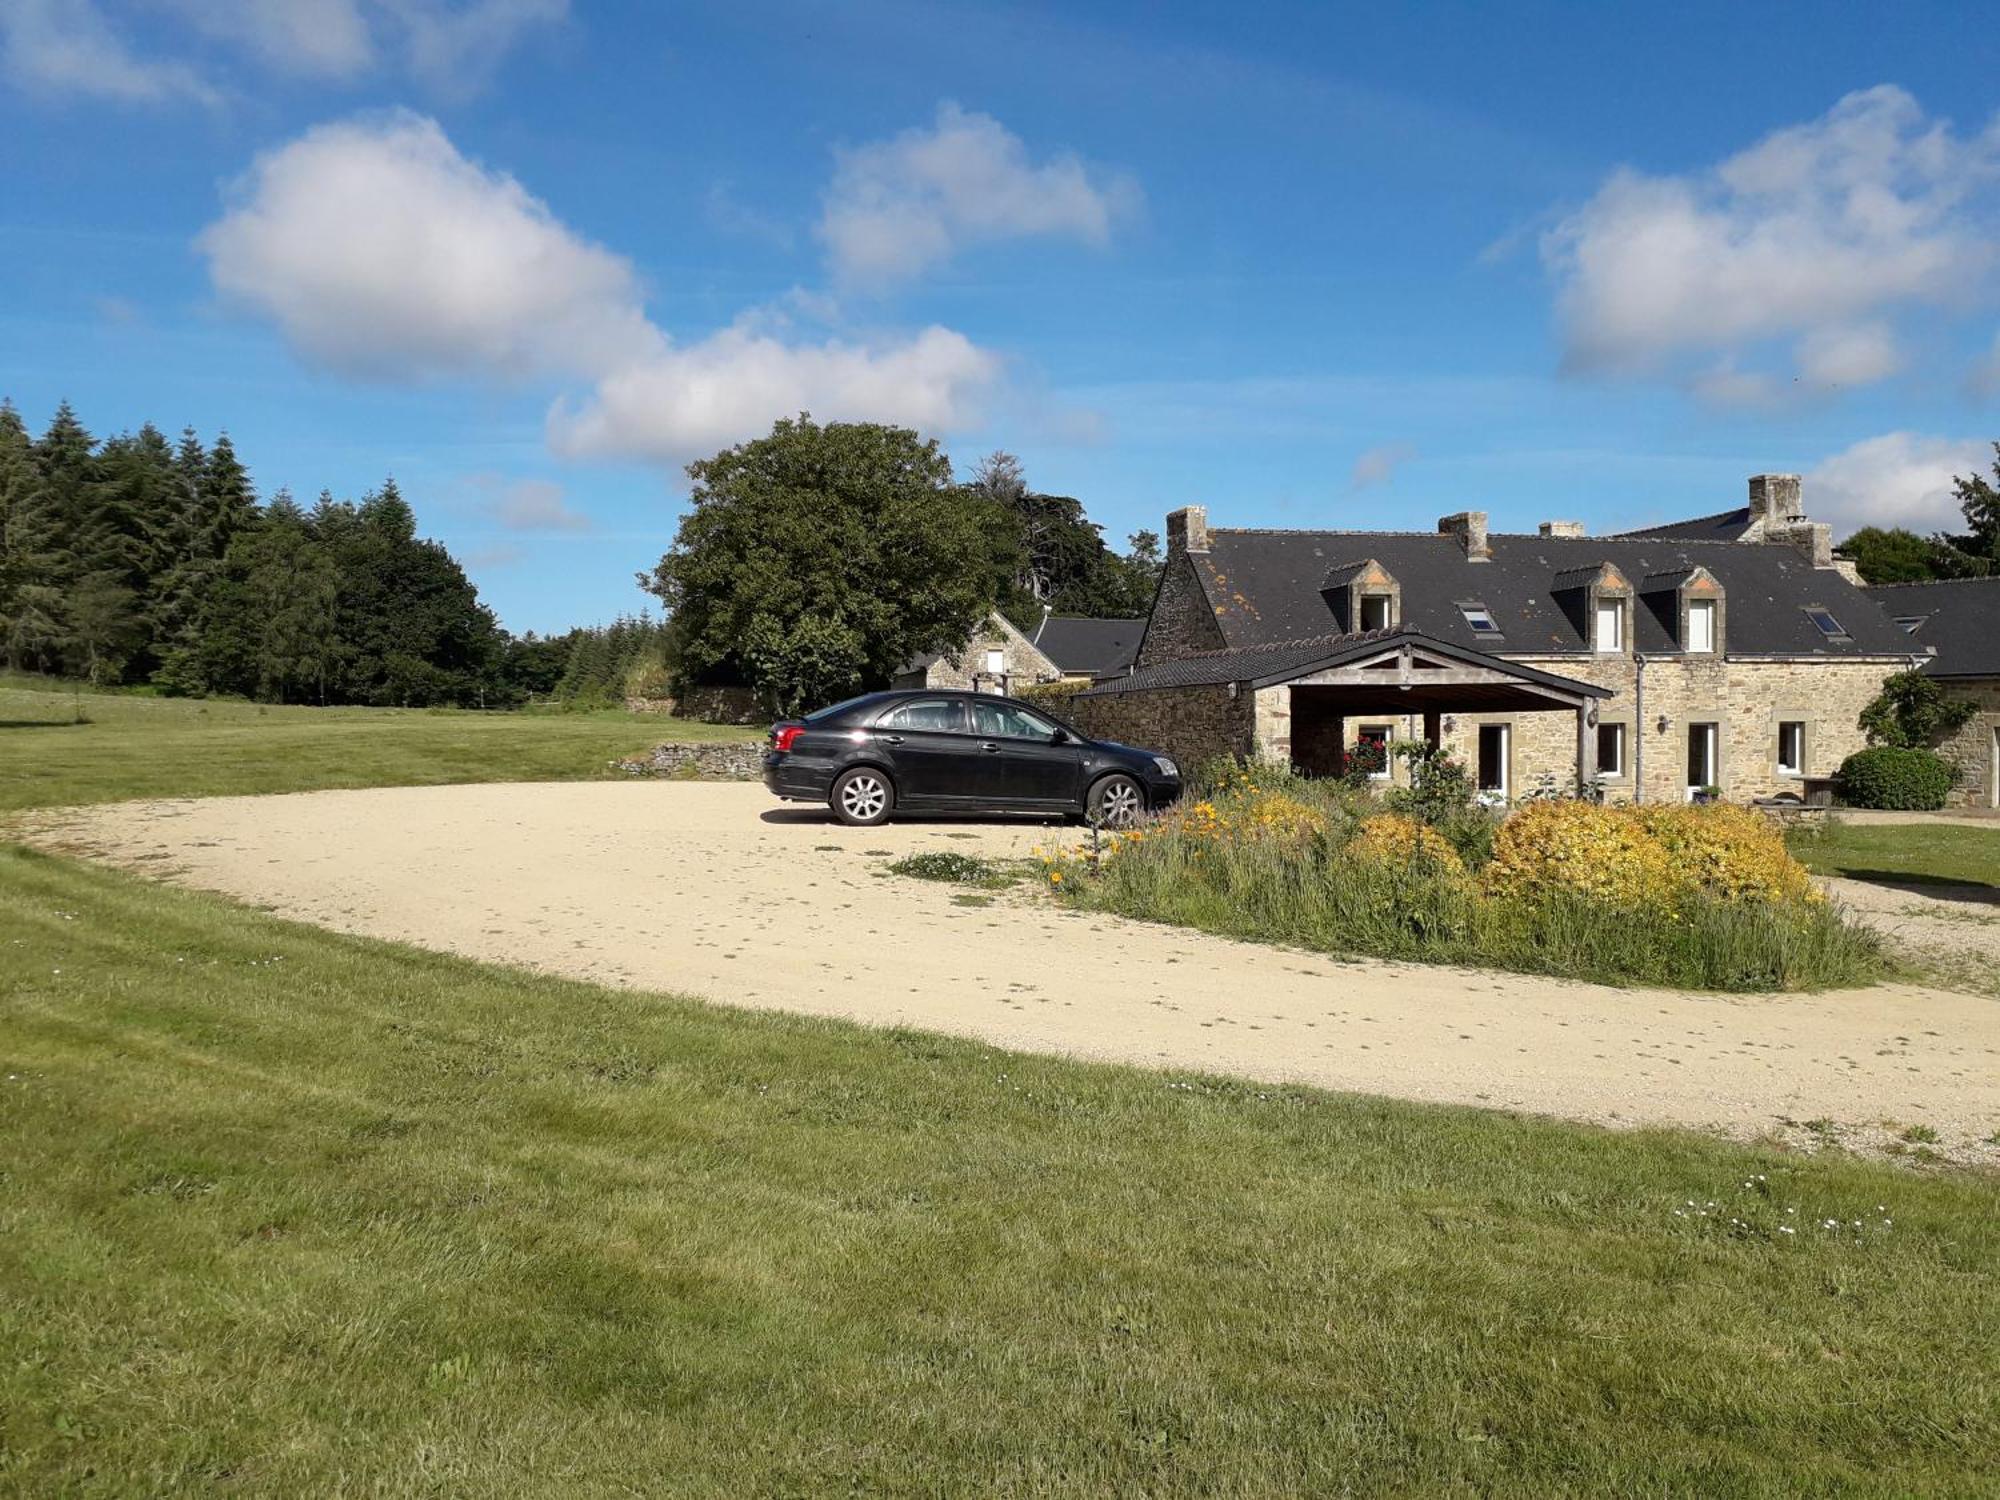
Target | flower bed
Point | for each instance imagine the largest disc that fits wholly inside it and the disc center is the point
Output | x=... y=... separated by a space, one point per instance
x=1704 y=898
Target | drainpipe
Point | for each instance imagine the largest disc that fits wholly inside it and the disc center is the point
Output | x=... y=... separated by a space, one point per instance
x=1639 y=728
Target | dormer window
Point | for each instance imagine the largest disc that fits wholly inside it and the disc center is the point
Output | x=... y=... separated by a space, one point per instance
x=1610 y=633
x=1911 y=623
x=1480 y=619
x=1363 y=596
x=1701 y=626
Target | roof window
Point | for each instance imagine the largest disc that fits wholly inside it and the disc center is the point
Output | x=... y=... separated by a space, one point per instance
x=1910 y=623
x=1826 y=624
x=1480 y=618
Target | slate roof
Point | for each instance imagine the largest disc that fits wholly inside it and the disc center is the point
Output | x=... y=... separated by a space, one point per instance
x=1102 y=648
x=1961 y=619
x=1260 y=666
x=1265 y=589
x=1728 y=526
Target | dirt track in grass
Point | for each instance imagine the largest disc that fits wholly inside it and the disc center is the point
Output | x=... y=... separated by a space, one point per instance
x=715 y=890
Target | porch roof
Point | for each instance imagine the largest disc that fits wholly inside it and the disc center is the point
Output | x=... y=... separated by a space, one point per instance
x=1417 y=670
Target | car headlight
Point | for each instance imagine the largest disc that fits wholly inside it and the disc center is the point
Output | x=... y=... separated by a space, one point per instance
x=1167 y=767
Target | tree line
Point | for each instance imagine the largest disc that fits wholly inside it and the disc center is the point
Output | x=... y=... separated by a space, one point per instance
x=1896 y=554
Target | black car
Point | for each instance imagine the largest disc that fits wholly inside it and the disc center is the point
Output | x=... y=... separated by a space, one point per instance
x=930 y=751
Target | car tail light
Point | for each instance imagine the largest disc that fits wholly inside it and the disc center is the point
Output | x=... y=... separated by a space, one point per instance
x=785 y=736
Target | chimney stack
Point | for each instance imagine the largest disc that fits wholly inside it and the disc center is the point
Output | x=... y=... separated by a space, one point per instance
x=1775 y=499
x=1562 y=528
x=1187 y=529
x=1469 y=526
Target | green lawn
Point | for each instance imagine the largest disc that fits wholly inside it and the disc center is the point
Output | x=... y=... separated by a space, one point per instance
x=135 y=745
x=289 y=1213
x=1965 y=854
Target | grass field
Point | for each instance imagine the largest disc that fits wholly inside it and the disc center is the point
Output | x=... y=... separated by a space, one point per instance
x=135 y=745
x=1927 y=852
x=288 y=1213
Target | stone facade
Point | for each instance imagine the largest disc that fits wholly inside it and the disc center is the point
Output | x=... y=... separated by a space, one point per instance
x=969 y=668
x=1975 y=749
x=1182 y=622
x=1192 y=724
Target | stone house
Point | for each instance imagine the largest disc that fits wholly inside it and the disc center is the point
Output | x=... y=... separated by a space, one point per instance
x=999 y=658
x=1957 y=625
x=1734 y=652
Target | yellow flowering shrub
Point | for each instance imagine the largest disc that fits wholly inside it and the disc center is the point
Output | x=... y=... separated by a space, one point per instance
x=1393 y=839
x=1729 y=852
x=1580 y=848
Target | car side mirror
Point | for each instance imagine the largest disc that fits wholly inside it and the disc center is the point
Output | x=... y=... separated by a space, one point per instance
x=1059 y=737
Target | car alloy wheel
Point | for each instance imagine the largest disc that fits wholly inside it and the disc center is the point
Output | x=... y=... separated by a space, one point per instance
x=862 y=797
x=1117 y=802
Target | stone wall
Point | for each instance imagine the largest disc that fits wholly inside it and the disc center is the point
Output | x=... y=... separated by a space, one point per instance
x=739 y=761
x=1192 y=725
x=1182 y=621
x=1972 y=749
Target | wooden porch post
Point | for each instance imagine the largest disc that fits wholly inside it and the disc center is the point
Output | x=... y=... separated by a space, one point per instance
x=1586 y=752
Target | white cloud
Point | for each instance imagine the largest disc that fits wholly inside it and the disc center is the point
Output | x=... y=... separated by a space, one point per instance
x=455 y=48
x=687 y=400
x=530 y=504
x=321 y=38
x=67 y=47
x=898 y=207
x=1897 y=479
x=1378 y=465
x=1813 y=235
x=380 y=251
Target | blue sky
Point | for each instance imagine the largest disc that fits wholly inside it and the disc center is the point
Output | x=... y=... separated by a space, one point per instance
x=1307 y=265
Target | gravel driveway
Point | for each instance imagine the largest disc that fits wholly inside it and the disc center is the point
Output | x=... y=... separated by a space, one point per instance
x=716 y=890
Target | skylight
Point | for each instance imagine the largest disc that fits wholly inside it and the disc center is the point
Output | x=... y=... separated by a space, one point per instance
x=1828 y=626
x=1911 y=622
x=1480 y=618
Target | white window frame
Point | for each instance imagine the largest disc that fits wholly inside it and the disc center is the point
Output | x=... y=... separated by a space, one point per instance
x=1387 y=606
x=996 y=661
x=1621 y=737
x=1798 y=765
x=1614 y=611
x=1701 y=641
x=1711 y=757
x=1388 y=732
x=1505 y=788
x=1474 y=613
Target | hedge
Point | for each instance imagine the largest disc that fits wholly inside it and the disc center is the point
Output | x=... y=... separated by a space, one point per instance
x=1888 y=777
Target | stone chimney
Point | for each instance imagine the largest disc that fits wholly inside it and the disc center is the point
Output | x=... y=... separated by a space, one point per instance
x=1562 y=528
x=1187 y=529
x=1469 y=526
x=1775 y=500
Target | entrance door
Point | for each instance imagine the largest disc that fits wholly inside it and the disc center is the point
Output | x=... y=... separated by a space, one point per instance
x=1494 y=744
x=1701 y=767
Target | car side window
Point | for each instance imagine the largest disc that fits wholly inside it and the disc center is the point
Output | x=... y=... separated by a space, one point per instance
x=1004 y=721
x=939 y=715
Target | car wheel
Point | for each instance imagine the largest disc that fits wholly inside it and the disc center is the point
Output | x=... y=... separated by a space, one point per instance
x=1116 y=802
x=863 y=797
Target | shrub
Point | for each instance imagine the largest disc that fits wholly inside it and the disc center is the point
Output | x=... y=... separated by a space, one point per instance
x=1887 y=776
x=1579 y=849
x=955 y=869
x=1440 y=787
x=1397 y=841
x=1912 y=711
x=1729 y=853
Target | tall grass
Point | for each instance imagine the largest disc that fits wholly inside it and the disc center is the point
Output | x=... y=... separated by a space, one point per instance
x=1314 y=891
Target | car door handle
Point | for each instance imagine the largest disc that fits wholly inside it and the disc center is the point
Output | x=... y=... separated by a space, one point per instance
x=989 y=745
x=892 y=739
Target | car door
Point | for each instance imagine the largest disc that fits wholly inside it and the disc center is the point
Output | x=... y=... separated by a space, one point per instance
x=932 y=755
x=1039 y=768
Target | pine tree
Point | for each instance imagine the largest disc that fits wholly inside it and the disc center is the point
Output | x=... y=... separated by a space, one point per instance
x=19 y=480
x=68 y=469
x=226 y=503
